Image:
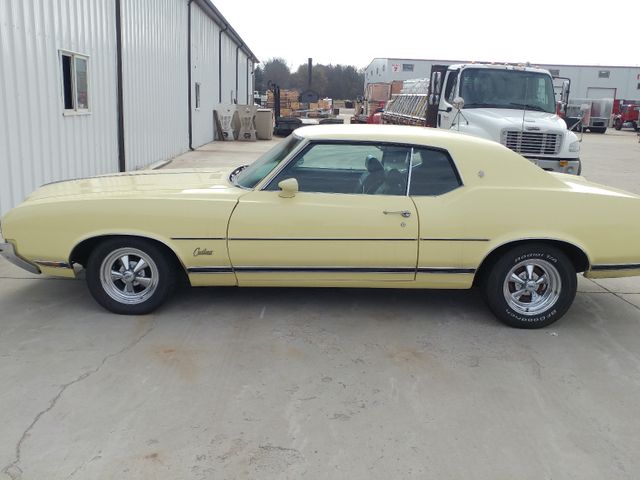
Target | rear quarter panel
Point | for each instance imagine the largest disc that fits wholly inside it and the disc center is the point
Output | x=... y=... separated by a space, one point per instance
x=504 y=198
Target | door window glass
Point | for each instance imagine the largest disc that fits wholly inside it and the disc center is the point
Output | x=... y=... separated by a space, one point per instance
x=450 y=91
x=371 y=169
x=432 y=173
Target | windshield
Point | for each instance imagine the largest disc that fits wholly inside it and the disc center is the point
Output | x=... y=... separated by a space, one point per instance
x=513 y=89
x=251 y=176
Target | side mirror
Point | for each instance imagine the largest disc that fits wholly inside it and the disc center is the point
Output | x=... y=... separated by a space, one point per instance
x=458 y=103
x=288 y=187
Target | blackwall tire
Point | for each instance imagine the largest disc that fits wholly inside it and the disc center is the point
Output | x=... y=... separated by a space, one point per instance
x=530 y=286
x=130 y=276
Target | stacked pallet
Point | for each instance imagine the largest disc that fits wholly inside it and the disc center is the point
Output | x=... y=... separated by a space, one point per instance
x=325 y=104
x=288 y=102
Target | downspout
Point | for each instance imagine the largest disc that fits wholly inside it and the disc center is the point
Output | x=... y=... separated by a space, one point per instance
x=237 y=68
x=248 y=60
x=122 y=164
x=189 y=73
x=220 y=62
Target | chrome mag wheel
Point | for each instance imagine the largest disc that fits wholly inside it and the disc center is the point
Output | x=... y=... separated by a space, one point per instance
x=532 y=287
x=129 y=275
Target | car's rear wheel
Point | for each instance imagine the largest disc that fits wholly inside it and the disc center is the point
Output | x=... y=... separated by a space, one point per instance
x=130 y=276
x=530 y=286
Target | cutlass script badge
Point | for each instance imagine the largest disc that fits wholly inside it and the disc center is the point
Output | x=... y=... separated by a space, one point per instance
x=202 y=251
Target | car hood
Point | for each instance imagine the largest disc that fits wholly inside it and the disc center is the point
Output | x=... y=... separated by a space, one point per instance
x=140 y=183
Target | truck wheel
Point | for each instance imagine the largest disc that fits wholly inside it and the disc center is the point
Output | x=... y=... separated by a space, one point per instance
x=530 y=286
x=617 y=124
x=130 y=276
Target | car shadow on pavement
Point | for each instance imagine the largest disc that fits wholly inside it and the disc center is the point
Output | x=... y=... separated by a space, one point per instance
x=379 y=305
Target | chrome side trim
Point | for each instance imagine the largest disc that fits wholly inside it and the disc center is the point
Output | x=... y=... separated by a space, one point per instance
x=454 y=239
x=452 y=270
x=8 y=251
x=210 y=270
x=336 y=269
x=198 y=238
x=52 y=264
x=278 y=239
x=307 y=269
x=616 y=266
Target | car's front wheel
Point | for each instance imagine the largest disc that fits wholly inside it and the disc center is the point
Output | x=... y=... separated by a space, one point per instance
x=530 y=286
x=130 y=276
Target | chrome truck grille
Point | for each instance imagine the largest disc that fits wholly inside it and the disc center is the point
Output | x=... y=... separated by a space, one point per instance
x=534 y=143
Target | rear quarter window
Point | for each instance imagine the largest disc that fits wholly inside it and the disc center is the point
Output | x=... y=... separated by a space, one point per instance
x=432 y=173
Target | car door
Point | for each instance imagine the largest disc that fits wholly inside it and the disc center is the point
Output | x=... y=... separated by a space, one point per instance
x=445 y=236
x=446 y=112
x=350 y=222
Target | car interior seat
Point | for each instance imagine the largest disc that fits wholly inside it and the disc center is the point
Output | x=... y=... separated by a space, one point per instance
x=373 y=178
x=394 y=183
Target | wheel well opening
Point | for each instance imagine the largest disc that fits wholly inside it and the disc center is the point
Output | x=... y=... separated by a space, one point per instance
x=575 y=254
x=81 y=252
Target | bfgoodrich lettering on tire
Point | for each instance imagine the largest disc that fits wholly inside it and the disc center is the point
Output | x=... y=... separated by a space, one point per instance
x=130 y=276
x=531 y=286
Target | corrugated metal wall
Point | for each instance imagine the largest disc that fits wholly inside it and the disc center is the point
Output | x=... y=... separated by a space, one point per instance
x=154 y=63
x=242 y=78
x=250 y=87
x=37 y=143
x=228 y=70
x=204 y=69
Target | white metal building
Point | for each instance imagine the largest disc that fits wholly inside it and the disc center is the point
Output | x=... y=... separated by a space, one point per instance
x=587 y=81
x=99 y=86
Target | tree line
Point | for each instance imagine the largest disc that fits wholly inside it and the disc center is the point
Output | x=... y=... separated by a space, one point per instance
x=343 y=82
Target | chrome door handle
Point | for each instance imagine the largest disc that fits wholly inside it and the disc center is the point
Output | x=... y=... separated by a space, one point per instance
x=403 y=213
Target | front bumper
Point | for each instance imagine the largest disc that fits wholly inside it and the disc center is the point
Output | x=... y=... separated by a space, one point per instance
x=570 y=166
x=8 y=251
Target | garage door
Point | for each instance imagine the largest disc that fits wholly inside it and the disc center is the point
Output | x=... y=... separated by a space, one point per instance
x=599 y=92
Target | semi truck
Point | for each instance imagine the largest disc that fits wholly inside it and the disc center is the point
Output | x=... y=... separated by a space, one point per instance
x=510 y=104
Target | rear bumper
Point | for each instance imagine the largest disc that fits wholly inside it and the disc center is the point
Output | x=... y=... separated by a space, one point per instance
x=8 y=251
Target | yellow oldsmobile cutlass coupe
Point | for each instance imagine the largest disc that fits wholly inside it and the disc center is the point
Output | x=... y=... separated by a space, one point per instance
x=337 y=206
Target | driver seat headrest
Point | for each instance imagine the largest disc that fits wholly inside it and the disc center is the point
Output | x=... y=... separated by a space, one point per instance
x=373 y=164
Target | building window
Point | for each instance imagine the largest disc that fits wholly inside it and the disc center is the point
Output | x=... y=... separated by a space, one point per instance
x=603 y=74
x=554 y=72
x=639 y=86
x=407 y=67
x=197 y=95
x=75 y=82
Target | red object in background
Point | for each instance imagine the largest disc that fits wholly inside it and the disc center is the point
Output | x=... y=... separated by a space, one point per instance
x=627 y=114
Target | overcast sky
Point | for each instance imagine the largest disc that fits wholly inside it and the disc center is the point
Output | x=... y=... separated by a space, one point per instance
x=353 y=32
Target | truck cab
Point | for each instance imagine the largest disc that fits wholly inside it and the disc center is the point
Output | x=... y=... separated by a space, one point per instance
x=512 y=105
